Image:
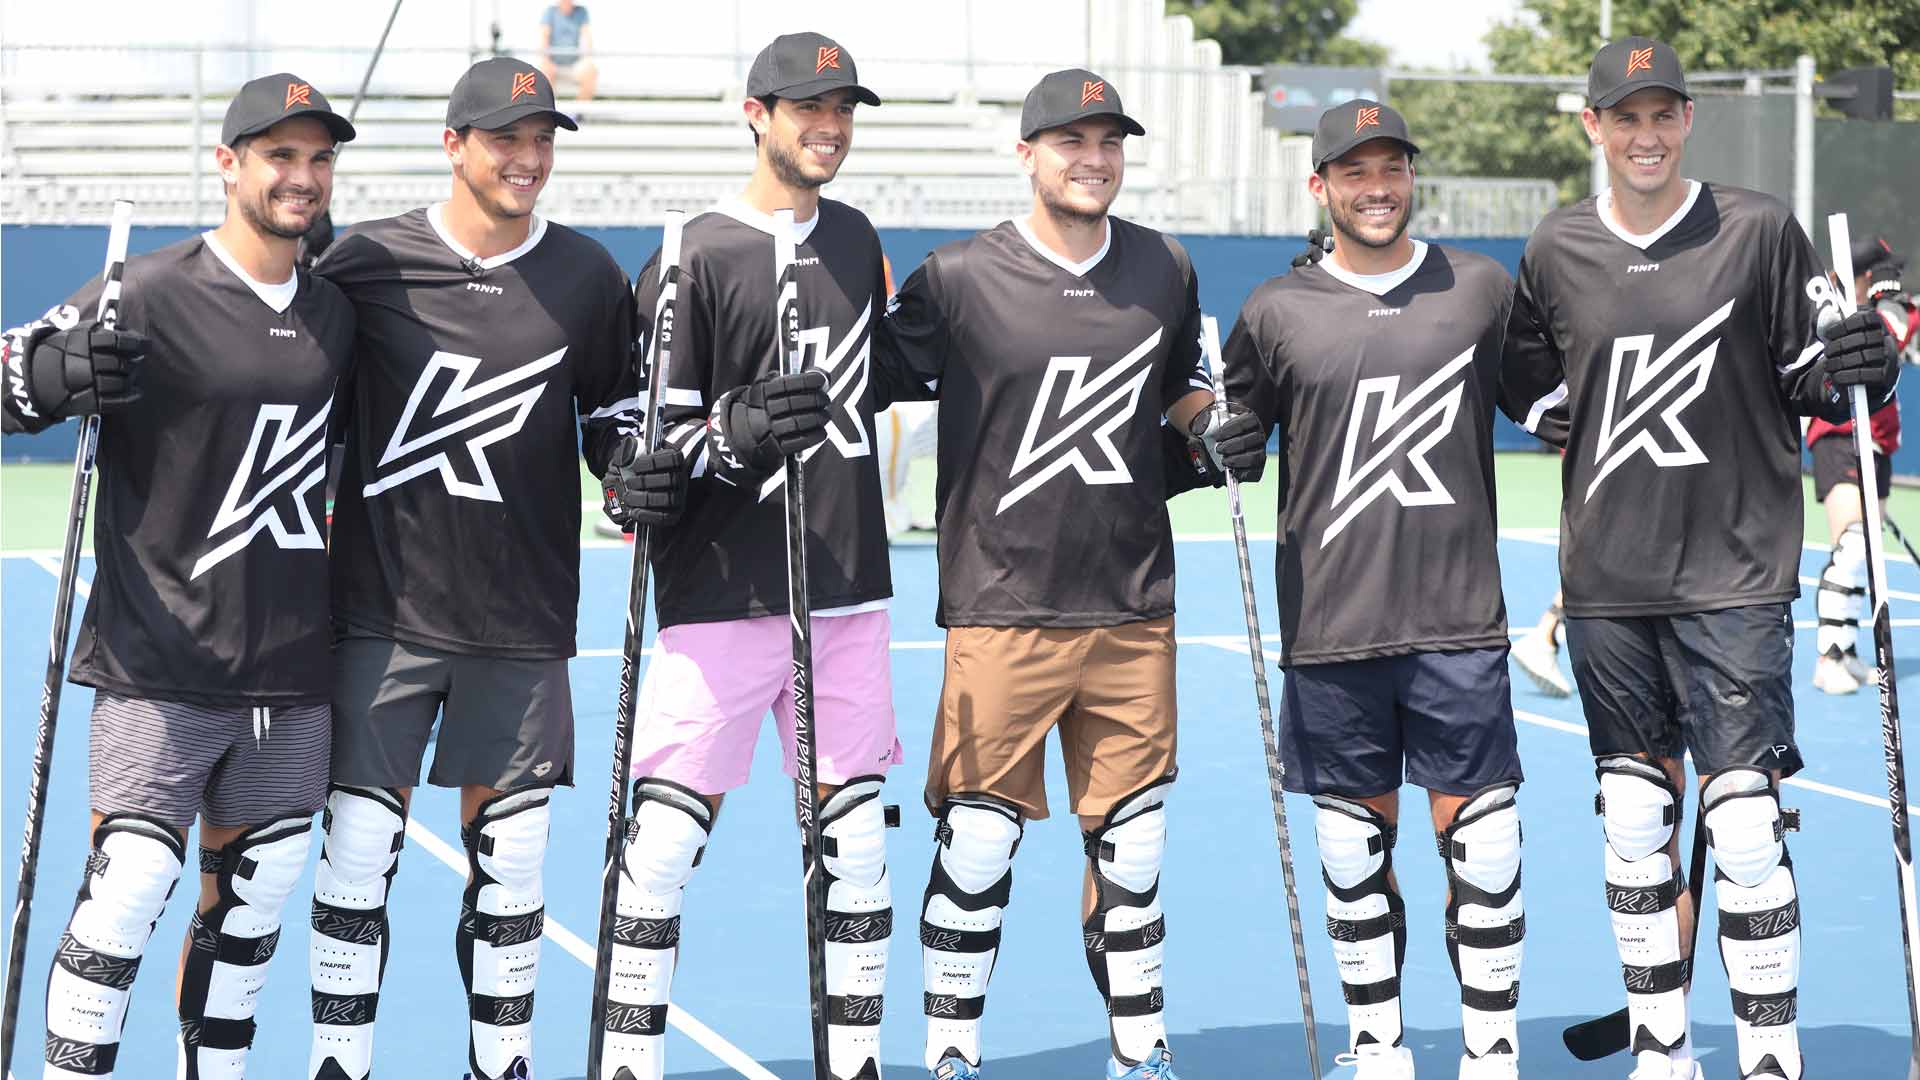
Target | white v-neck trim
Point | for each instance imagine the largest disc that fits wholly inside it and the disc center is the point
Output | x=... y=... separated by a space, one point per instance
x=1604 y=207
x=1378 y=284
x=1077 y=269
x=276 y=295
x=436 y=217
x=740 y=211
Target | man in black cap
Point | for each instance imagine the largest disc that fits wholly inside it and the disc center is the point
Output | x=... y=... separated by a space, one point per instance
x=1064 y=347
x=491 y=343
x=1380 y=365
x=723 y=658
x=1837 y=667
x=1665 y=333
x=205 y=634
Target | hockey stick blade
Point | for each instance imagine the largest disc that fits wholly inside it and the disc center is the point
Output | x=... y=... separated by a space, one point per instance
x=1594 y=1039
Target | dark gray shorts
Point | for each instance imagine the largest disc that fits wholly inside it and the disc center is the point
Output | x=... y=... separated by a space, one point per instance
x=234 y=765
x=502 y=723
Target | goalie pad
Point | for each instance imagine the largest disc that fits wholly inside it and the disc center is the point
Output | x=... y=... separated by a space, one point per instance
x=347 y=954
x=1125 y=936
x=960 y=914
x=230 y=944
x=502 y=915
x=1366 y=918
x=665 y=838
x=1486 y=921
x=853 y=833
x=131 y=871
x=1639 y=810
x=1759 y=917
x=1841 y=594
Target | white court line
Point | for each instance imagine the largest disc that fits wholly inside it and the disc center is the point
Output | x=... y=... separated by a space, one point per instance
x=568 y=941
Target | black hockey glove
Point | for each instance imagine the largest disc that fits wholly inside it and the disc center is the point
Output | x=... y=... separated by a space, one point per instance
x=87 y=369
x=644 y=488
x=1233 y=438
x=1860 y=352
x=759 y=425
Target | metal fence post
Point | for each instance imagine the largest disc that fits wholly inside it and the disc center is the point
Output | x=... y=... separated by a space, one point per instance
x=199 y=140
x=1803 y=142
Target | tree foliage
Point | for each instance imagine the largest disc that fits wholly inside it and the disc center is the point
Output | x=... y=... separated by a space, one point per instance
x=1256 y=32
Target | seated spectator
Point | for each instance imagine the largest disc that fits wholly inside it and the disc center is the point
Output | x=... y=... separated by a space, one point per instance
x=566 y=48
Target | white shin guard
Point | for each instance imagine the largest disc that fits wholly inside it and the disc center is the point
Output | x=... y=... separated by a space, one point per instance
x=853 y=830
x=347 y=953
x=665 y=838
x=1125 y=936
x=134 y=865
x=231 y=943
x=502 y=916
x=1759 y=918
x=1486 y=921
x=1366 y=919
x=1841 y=594
x=1639 y=808
x=966 y=898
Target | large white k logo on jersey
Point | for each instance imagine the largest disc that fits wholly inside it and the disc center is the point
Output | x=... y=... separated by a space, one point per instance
x=1424 y=417
x=282 y=463
x=846 y=366
x=1638 y=383
x=1074 y=417
x=474 y=414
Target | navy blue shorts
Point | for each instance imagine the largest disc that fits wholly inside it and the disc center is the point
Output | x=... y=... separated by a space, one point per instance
x=1347 y=728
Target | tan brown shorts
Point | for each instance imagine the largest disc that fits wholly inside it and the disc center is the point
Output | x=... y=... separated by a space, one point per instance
x=1109 y=689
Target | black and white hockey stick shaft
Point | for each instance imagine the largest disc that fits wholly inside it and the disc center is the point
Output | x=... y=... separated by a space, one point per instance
x=373 y=62
x=653 y=380
x=77 y=498
x=1838 y=236
x=1276 y=772
x=806 y=793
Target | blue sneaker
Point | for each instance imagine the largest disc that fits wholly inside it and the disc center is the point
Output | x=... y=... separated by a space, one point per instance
x=1158 y=1066
x=954 y=1066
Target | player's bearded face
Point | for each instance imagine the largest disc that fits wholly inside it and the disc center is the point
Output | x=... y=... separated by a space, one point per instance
x=1368 y=193
x=807 y=139
x=1643 y=138
x=1077 y=169
x=283 y=178
x=506 y=168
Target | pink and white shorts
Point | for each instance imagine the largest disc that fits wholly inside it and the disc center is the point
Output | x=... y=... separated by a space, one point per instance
x=709 y=685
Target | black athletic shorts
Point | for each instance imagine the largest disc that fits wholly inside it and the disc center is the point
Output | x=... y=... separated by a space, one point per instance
x=1834 y=462
x=1716 y=683
x=1348 y=728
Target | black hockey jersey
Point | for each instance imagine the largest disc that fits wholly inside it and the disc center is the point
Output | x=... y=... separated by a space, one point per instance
x=211 y=565
x=727 y=556
x=1671 y=367
x=1053 y=380
x=476 y=384
x=1383 y=388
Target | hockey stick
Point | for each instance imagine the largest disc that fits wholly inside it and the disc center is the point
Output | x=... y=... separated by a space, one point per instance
x=1894 y=528
x=653 y=376
x=1276 y=772
x=77 y=498
x=806 y=795
x=372 y=61
x=1837 y=235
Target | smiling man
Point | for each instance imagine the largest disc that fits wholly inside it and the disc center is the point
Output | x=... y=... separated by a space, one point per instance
x=491 y=343
x=1664 y=332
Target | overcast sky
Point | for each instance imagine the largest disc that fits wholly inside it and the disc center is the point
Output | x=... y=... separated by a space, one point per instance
x=1418 y=39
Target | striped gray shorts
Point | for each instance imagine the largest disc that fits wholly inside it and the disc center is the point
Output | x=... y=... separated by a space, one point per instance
x=232 y=765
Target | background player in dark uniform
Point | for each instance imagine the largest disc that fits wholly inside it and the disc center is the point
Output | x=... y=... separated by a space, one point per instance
x=1056 y=344
x=723 y=657
x=1665 y=334
x=491 y=343
x=205 y=635
x=1380 y=364
x=1836 y=483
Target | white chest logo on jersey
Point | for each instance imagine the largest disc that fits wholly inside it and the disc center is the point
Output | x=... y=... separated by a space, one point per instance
x=1424 y=417
x=846 y=368
x=473 y=414
x=1073 y=417
x=1642 y=389
x=282 y=463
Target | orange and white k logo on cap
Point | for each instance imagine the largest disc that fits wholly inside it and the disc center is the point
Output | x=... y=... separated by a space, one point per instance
x=1640 y=60
x=522 y=84
x=1368 y=116
x=1091 y=92
x=829 y=58
x=298 y=93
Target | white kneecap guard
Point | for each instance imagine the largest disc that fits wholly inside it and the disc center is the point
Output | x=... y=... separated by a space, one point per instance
x=507 y=846
x=1366 y=920
x=853 y=828
x=1637 y=807
x=1744 y=827
x=965 y=901
x=665 y=837
x=1486 y=916
x=1841 y=593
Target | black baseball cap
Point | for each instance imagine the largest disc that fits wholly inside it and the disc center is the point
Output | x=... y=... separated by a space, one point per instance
x=1062 y=97
x=1874 y=253
x=1351 y=123
x=1630 y=65
x=805 y=65
x=269 y=99
x=499 y=90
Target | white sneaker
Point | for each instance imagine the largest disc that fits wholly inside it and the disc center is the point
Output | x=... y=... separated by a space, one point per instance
x=1830 y=675
x=1376 y=1062
x=1654 y=1065
x=1490 y=1067
x=1539 y=657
